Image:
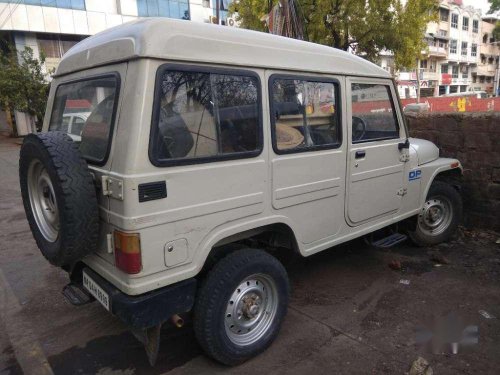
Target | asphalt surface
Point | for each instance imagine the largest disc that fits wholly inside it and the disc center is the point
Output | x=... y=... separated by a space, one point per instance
x=350 y=313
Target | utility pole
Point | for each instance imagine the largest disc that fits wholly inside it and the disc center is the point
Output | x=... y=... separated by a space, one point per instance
x=217 y=11
x=418 y=81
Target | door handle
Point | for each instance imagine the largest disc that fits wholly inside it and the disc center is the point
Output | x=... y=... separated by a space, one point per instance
x=360 y=154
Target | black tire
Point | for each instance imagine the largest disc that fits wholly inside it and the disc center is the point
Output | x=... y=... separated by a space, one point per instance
x=215 y=293
x=439 y=190
x=74 y=195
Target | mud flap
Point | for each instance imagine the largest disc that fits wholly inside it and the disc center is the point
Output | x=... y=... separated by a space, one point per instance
x=150 y=338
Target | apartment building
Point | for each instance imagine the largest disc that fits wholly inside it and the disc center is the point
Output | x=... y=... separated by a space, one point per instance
x=485 y=76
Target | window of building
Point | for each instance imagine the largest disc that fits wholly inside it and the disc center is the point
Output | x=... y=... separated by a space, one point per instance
x=463 y=88
x=481 y=79
x=473 y=51
x=454 y=71
x=442 y=32
x=95 y=100
x=488 y=79
x=465 y=23
x=68 y=4
x=423 y=64
x=205 y=115
x=475 y=26
x=373 y=114
x=305 y=114
x=453 y=46
x=464 y=49
x=432 y=66
x=444 y=69
x=163 y=8
x=444 y=14
x=442 y=44
x=55 y=47
x=453 y=89
x=474 y=78
x=465 y=72
x=454 y=20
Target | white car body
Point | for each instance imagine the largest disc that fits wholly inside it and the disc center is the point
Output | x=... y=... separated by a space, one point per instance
x=323 y=198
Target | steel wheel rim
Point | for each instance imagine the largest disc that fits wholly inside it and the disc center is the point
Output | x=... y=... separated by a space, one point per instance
x=436 y=216
x=43 y=201
x=251 y=309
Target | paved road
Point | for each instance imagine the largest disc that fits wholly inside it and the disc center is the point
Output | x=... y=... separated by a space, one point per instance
x=349 y=312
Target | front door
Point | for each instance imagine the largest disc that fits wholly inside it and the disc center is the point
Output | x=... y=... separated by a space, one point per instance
x=375 y=162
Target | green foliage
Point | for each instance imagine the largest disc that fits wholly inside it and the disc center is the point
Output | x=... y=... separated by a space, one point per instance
x=494 y=6
x=365 y=26
x=23 y=85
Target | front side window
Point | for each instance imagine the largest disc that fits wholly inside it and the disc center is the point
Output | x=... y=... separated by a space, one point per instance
x=473 y=51
x=205 y=115
x=304 y=114
x=373 y=113
x=454 y=71
x=86 y=110
x=464 y=48
x=454 y=21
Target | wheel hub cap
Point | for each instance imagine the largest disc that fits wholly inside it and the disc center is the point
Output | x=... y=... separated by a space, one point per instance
x=43 y=201
x=251 y=309
x=435 y=216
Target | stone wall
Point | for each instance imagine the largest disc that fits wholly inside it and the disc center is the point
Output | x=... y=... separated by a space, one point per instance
x=474 y=139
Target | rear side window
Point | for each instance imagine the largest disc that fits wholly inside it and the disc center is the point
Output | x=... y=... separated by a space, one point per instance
x=205 y=115
x=373 y=113
x=305 y=114
x=85 y=110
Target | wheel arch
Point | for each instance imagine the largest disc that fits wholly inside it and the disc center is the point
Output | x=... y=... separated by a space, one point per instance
x=448 y=170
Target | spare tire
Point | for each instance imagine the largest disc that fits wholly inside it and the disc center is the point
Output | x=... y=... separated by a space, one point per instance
x=59 y=197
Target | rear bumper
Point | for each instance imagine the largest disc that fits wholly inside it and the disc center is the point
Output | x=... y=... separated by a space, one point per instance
x=149 y=309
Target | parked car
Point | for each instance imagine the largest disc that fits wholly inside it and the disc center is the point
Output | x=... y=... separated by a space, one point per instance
x=207 y=150
x=73 y=123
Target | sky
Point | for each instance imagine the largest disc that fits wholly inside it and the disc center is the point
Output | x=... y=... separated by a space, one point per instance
x=481 y=4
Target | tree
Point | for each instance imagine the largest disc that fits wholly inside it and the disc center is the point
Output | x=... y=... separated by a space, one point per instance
x=23 y=85
x=494 y=6
x=365 y=26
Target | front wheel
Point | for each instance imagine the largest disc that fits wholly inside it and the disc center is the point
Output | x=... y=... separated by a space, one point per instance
x=439 y=217
x=241 y=305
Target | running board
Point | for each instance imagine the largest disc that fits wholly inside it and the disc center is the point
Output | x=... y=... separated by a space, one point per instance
x=76 y=295
x=389 y=241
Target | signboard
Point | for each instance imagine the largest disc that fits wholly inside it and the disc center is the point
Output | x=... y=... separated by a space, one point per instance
x=446 y=79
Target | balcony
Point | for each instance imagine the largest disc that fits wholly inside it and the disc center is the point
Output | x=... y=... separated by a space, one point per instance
x=437 y=51
x=485 y=70
x=430 y=76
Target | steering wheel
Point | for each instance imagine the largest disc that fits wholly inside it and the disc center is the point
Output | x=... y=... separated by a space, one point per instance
x=358 y=128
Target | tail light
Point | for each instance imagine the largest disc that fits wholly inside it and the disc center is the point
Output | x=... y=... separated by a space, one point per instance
x=128 y=252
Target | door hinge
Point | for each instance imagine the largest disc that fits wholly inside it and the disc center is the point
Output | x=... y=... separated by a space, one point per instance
x=112 y=187
x=404 y=157
x=402 y=192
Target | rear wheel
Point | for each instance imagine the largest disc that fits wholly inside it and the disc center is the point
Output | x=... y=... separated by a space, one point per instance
x=241 y=305
x=439 y=217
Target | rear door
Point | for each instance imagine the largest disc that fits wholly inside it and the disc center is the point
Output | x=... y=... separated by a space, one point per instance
x=375 y=163
x=308 y=157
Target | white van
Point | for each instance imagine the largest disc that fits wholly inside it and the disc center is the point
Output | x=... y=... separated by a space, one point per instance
x=205 y=151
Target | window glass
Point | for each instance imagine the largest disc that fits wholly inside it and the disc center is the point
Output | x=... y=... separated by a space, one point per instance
x=92 y=101
x=464 y=48
x=475 y=26
x=202 y=114
x=465 y=23
x=454 y=20
x=453 y=46
x=454 y=71
x=305 y=114
x=373 y=114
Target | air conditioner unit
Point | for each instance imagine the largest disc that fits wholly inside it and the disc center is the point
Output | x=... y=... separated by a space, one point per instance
x=231 y=21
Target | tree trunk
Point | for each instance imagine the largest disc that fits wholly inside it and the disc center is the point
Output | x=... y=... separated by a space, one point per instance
x=10 y=120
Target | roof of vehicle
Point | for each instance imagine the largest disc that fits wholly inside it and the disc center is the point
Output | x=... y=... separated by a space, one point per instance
x=180 y=40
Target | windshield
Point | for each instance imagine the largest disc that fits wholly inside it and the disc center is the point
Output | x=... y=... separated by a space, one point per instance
x=85 y=110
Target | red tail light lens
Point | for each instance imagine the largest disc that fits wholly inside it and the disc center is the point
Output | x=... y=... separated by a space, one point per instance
x=128 y=252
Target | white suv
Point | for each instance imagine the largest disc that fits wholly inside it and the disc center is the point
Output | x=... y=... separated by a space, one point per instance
x=207 y=149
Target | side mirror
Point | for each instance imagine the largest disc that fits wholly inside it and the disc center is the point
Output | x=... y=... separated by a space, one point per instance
x=404 y=145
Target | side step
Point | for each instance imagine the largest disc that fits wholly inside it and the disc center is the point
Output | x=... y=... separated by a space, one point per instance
x=76 y=295
x=389 y=241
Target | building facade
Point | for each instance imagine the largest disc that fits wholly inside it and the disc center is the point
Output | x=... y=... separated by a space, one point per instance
x=485 y=77
x=461 y=54
x=54 y=26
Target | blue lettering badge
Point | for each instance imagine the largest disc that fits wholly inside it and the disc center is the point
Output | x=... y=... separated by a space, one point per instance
x=415 y=175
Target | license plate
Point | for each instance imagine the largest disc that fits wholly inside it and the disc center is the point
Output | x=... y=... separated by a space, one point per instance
x=94 y=289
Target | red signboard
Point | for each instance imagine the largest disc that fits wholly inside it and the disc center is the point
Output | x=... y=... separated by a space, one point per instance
x=446 y=79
